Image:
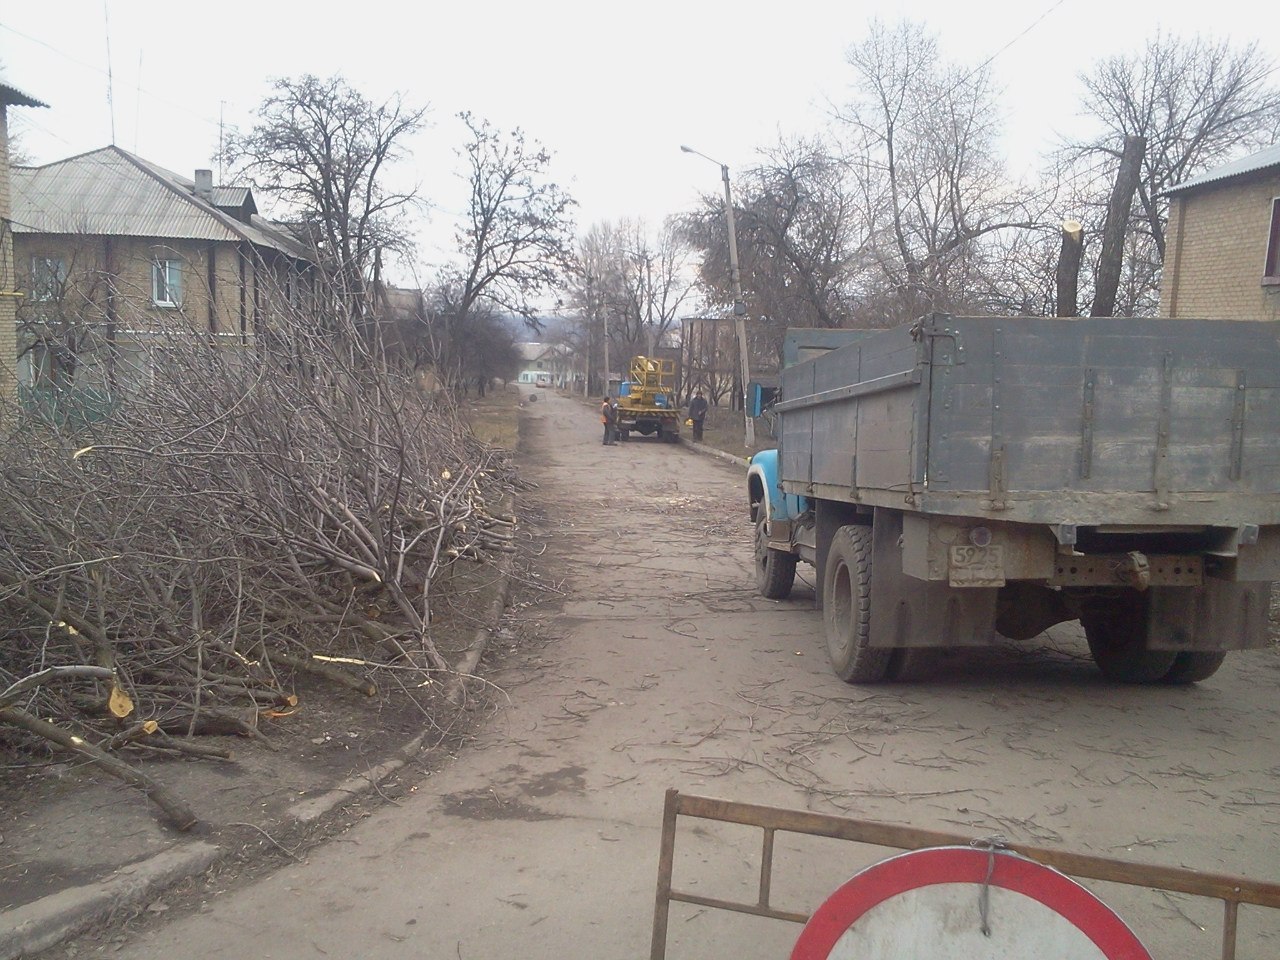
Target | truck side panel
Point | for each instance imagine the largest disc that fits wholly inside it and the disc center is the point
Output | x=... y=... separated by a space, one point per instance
x=1108 y=406
x=795 y=442
x=868 y=423
x=1015 y=413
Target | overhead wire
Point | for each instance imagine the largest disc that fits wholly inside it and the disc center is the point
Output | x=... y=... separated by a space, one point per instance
x=177 y=105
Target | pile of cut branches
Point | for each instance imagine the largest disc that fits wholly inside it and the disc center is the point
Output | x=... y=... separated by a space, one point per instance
x=247 y=507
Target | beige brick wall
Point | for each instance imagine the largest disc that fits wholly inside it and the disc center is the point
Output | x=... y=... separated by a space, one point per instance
x=218 y=292
x=1215 y=252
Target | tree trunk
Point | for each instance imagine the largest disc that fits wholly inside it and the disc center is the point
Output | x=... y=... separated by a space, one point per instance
x=1111 y=260
x=1069 y=268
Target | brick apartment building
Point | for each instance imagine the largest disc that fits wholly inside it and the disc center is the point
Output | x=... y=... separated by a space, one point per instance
x=9 y=292
x=111 y=250
x=1222 y=253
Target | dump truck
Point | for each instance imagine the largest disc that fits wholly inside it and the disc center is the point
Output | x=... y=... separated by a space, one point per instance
x=959 y=479
x=647 y=400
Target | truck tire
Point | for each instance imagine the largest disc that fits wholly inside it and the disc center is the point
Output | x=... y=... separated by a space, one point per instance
x=846 y=608
x=775 y=570
x=1192 y=666
x=1117 y=632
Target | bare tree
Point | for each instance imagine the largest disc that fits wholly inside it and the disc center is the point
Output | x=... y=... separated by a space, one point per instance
x=921 y=151
x=514 y=244
x=324 y=149
x=632 y=285
x=594 y=291
x=801 y=241
x=1195 y=102
x=654 y=284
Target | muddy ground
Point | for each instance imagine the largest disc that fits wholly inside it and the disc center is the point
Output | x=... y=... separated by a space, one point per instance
x=648 y=662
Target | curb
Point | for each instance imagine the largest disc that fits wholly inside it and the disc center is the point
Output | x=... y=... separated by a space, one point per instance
x=46 y=922
x=709 y=451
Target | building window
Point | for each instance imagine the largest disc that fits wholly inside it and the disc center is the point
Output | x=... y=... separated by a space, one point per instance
x=48 y=278
x=166 y=283
x=1271 y=272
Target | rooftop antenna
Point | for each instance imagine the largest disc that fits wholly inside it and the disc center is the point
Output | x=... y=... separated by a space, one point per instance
x=111 y=106
x=137 y=105
x=222 y=106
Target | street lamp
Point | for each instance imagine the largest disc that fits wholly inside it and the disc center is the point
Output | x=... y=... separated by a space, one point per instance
x=739 y=308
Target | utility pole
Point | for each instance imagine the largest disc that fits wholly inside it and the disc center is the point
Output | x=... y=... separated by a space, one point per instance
x=739 y=311
x=739 y=308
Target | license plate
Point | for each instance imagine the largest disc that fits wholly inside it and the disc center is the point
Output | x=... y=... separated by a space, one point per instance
x=976 y=566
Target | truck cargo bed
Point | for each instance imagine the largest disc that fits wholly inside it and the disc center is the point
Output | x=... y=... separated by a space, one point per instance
x=1047 y=420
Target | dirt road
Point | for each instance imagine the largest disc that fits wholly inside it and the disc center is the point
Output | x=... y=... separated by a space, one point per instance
x=661 y=668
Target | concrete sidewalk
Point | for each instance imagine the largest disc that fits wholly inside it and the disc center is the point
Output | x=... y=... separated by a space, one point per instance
x=93 y=848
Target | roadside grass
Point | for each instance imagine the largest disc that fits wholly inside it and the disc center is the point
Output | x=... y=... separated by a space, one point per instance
x=493 y=417
x=724 y=429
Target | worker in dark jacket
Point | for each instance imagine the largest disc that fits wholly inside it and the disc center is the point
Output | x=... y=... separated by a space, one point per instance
x=697 y=413
x=609 y=417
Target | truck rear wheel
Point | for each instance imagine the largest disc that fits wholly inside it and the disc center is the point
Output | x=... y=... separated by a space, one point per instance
x=846 y=608
x=775 y=570
x=1117 y=635
x=1191 y=666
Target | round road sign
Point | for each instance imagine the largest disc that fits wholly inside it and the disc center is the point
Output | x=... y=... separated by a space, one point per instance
x=964 y=903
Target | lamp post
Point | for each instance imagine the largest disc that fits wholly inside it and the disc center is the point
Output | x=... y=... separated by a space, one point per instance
x=739 y=308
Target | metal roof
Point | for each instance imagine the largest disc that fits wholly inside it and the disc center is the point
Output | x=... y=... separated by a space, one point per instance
x=111 y=192
x=10 y=94
x=232 y=197
x=1253 y=163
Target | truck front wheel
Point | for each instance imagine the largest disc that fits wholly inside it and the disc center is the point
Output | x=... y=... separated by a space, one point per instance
x=846 y=608
x=1117 y=635
x=775 y=570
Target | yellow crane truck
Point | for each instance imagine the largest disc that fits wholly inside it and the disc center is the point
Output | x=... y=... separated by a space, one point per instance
x=647 y=400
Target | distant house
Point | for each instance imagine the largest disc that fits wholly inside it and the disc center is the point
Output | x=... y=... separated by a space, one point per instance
x=1222 y=248
x=9 y=292
x=110 y=250
x=549 y=360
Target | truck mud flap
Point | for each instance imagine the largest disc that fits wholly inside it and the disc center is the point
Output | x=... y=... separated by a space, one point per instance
x=1220 y=615
x=906 y=612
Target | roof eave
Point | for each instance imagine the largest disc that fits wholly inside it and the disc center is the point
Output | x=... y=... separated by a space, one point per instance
x=12 y=96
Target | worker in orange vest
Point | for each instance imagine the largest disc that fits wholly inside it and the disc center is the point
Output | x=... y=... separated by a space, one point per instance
x=609 y=417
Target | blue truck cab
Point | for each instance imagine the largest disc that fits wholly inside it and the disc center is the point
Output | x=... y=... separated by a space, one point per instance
x=764 y=494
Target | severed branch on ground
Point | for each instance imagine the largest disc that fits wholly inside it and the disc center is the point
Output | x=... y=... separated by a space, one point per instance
x=243 y=510
x=175 y=810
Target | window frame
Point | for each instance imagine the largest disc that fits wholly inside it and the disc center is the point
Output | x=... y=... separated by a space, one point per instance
x=1271 y=265
x=166 y=280
x=48 y=285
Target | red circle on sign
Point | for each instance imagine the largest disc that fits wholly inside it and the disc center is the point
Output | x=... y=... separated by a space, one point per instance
x=925 y=868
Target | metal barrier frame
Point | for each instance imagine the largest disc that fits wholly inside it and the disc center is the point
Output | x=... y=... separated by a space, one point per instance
x=1232 y=891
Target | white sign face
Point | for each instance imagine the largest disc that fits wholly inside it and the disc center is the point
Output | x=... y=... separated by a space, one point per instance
x=962 y=903
x=943 y=922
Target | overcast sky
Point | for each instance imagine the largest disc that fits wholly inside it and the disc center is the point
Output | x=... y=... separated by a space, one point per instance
x=612 y=89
